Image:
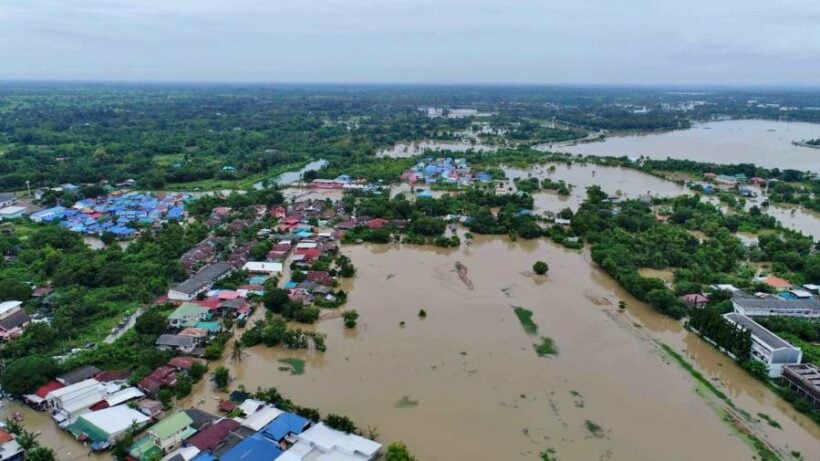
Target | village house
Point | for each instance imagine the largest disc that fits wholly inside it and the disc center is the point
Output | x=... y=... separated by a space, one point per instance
x=187 y=315
x=322 y=442
x=199 y=282
x=10 y=449
x=263 y=267
x=165 y=436
x=767 y=347
x=176 y=343
x=78 y=374
x=104 y=427
x=12 y=319
x=69 y=402
x=695 y=300
x=7 y=199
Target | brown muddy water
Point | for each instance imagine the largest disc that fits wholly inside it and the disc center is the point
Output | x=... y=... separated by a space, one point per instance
x=464 y=383
x=762 y=142
x=622 y=182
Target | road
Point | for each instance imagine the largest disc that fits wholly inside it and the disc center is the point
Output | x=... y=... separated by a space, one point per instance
x=130 y=324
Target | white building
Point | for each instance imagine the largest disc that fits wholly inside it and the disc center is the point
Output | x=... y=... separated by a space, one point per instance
x=766 y=346
x=12 y=212
x=262 y=267
x=322 y=442
x=68 y=403
x=765 y=305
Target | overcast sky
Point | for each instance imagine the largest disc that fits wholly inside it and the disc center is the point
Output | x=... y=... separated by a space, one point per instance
x=447 y=41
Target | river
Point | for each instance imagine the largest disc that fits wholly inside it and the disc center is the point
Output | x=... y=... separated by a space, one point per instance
x=290 y=177
x=464 y=383
x=762 y=142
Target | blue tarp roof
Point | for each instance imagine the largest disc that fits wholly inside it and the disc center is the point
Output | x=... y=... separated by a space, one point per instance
x=254 y=448
x=203 y=456
x=284 y=424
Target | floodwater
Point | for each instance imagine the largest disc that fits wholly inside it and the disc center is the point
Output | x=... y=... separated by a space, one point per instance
x=65 y=446
x=762 y=142
x=464 y=383
x=410 y=149
x=622 y=182
x=291 y=177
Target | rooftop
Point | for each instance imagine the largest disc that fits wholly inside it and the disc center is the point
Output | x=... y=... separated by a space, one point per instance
x=203 y=278
x=762 y=334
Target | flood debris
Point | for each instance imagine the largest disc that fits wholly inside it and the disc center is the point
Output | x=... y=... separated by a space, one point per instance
x=461 y=269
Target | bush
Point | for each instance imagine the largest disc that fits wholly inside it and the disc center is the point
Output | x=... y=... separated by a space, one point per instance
x=221 y=377
x=340 y=423
x=540 y=267
x=350 y=318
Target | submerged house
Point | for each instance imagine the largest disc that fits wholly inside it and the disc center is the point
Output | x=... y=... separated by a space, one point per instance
x=104 y=427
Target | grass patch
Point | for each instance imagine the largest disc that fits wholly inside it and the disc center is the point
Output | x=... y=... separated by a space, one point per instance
x=769 y=420
x=525 y=317
x=594 y=429
x=296 y=366
x=546 y=347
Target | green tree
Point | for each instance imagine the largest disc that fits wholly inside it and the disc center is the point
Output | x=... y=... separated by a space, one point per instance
x=40 y=454
x=152 y=322
x=397 y=451
x=26 y=374
x=11 y=289
x=340 y=423
x=540 y=267
x=221 y=377
x=350 y=318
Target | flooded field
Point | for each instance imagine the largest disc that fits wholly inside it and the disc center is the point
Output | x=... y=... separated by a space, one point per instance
x=762 y=142
x=466 y=383
x=623 y=182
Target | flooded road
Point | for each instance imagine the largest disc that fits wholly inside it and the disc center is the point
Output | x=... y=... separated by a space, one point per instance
x=465 y=382
x=762 y=142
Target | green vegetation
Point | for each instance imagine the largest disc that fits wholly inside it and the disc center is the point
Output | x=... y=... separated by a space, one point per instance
x=540 y=267
x=546 y=347
x=710 y=323
x=294 y=365
x=397 y=451
x=350 y=318
x=525 y=317
x=422 y=313
x=406 y=402
x=594 y=429
x=221 y=377
x=769 y=420
x=274 y=331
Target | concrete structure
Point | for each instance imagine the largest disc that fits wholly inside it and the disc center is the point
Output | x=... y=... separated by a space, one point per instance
x=10 y=450
x=321 y=442
x=187 y=315
x=108 y=425
x=12 y=212
x=199 y=282
x=766 y=346
x=68 y=403
x=48 y=214
x=766 y=305
x=12 y=319
x=804 y=380
x=7 y=199
x=184 y=344
x=263 y=267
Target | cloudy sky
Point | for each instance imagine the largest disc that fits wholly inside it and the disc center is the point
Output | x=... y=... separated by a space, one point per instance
x=446 y=41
